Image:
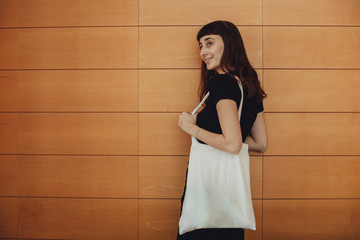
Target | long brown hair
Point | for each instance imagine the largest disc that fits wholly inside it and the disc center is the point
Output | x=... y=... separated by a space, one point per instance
x=234 y=59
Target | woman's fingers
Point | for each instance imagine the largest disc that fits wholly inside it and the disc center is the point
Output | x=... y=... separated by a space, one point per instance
x=185 y=121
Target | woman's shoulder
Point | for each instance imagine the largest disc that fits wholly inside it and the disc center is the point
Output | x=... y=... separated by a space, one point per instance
x=222 y=80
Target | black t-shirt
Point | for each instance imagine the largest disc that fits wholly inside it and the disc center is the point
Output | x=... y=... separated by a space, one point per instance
x=224 y=86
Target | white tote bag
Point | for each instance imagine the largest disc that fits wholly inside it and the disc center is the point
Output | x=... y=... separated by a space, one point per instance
x=218 y=193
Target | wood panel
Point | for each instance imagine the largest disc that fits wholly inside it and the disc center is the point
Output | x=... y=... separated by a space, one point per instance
x=82 y=90
x=312 y=177
x=176 y=47
x=78 y=218
x=172 y=12
x=311 y=219
x=311 y=47
x=257 y=234
x=310 y=12
x=8 y=48
x=256 y=178
x=313 y=133
x=78 y=176
x=312 y=90
x=8 y=175
x=81 y=133
x=74 y=48
x=8 y=133
x=159 y=134
x=8 y=13
x=162 y=176
x=8 y=217
x=8 y=91
x=43 y=13
x=159 y=219
x=168 y=90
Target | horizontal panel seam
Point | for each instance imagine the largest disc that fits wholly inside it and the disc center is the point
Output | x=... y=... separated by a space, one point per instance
x=187 y=25
x=93 y=69
x=160 y=112
x=167 y=69
x=99 y=198
x=157 y=155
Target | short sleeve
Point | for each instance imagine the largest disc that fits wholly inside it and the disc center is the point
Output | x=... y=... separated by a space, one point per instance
x=224 y=87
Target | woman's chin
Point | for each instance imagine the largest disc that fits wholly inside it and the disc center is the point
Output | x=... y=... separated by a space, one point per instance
x=209 y=68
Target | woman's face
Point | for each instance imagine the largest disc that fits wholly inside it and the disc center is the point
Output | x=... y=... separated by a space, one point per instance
x=211 y=51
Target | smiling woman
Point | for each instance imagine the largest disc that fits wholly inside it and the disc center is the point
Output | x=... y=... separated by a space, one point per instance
x=233 y=84
x=211 y=51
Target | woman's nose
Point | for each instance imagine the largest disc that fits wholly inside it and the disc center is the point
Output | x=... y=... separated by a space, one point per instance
x=203 y=53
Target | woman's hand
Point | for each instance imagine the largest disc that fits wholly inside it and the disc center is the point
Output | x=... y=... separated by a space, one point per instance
x=187 y=123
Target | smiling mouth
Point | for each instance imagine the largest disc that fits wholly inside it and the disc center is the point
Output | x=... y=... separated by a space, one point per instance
x=207 y=60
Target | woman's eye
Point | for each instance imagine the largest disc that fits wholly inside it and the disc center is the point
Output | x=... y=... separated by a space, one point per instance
x=207 y=44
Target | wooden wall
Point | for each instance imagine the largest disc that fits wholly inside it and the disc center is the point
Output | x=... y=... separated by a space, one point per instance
x=90 y=93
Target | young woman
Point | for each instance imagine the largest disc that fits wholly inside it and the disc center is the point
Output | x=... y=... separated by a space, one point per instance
x=224 y=63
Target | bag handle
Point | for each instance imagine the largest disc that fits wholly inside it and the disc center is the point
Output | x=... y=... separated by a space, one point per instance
x=208 y=93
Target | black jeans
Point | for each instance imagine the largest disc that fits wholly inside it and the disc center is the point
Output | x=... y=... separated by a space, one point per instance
x=214 y=234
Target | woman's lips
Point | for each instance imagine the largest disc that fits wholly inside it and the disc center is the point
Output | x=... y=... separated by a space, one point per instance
x=207 y=60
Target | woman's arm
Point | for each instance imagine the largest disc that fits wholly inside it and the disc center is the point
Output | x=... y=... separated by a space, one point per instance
x=257 y=140
x=230 y=140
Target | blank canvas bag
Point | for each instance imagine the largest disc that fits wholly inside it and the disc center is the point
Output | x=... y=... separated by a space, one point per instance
x=218 y=193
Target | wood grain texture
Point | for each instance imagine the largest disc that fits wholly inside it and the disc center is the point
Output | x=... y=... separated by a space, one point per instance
x=8 y=133
x=176 y=47
x=159 y=134
x=312 y=90
x=44 y=13
x=168 y=90
x=8 y=13
x=8 y=91
x=311 y=47
x=313 y=133
x=80 y=133
x=80 y=90
x=310 y=12
x=311 y=219
x=8 y=48
x=159 y=219
x=78 y=218
x=172 y=12
x=256 y=178
x=8 y=175
x=74 y=48
x=257 y=234
x=311 y=177
x=162 y=176
x=8 y=217
x=78 y=176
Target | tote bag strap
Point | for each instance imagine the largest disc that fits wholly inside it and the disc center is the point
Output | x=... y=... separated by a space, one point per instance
x=208 y=93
